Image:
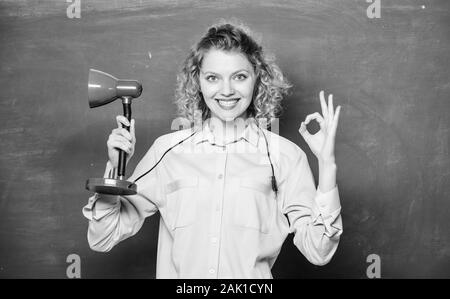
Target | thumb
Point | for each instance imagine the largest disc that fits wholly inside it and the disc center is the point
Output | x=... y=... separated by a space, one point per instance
x=304 y=132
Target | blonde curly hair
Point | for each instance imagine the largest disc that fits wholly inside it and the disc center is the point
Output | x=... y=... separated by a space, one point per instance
x=270 y=87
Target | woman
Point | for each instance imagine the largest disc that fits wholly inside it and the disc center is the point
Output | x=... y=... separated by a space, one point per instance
x=229 y=191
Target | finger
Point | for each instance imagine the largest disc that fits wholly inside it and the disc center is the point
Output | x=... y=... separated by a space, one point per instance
x=315 y=116
x=118 y=144
x=120 y=138
x=304 y=132
x=122 y=120
x=330 y=108
x=133 y=133
x=323 y=104
x=122 y=132
x=126 y=134
x=125 y=146
x=336 y=120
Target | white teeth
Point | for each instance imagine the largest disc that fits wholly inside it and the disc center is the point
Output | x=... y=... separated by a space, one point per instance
x=228 y=103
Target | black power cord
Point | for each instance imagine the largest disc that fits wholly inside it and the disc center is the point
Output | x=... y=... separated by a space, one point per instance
x=273 y=179
x=163 y=157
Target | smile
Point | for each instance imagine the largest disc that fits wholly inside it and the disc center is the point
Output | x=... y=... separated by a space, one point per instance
x=227 y=104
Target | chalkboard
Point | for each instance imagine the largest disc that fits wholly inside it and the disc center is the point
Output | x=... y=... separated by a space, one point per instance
x=390 y=72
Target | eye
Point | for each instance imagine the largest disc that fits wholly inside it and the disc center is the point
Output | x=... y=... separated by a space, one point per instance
x=211 y=78
x=240 y=77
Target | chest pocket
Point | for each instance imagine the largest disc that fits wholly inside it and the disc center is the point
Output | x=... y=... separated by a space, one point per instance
x=181 y=201
x=255 y=205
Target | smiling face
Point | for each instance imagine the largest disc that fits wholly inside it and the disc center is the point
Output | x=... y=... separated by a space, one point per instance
x=227 y=80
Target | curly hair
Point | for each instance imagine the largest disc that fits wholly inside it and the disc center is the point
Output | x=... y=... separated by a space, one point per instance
x=270 y=87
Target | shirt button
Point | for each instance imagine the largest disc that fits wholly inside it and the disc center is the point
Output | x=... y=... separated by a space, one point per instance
x=212 y=271
x=220 y=176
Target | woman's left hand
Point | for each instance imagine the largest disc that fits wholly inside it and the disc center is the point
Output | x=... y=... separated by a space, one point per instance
x=322 y=143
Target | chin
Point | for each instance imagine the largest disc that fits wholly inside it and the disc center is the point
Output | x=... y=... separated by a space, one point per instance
x=229 y=118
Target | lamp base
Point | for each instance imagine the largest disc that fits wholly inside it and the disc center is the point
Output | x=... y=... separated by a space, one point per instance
x=111 y=186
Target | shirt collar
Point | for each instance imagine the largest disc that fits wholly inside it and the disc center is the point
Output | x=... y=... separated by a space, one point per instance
x=250 y=133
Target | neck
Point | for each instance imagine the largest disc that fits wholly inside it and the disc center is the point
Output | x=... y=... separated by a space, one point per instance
x=226 y=131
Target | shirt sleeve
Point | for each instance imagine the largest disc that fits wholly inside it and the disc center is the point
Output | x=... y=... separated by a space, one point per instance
x=114 y=218
x=314 y=217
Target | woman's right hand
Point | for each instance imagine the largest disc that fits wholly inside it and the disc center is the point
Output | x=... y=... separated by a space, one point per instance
x=120 y=138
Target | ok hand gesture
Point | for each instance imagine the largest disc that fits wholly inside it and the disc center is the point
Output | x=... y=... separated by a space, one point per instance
x=322 y=143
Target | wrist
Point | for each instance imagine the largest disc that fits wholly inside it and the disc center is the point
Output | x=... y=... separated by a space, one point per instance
x=327 y=163
x=327 y=176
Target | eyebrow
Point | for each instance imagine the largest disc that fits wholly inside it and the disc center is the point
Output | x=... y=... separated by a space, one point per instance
x=241 y=70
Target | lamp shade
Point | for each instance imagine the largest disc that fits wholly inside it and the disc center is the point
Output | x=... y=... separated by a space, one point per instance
x=104 y=88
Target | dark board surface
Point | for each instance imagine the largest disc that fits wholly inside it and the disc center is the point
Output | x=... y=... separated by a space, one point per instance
x=391 y=76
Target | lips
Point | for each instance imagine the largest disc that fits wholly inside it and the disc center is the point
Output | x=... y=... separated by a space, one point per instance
x=227 y=103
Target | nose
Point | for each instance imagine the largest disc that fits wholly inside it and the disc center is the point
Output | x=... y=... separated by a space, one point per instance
x=227 y=89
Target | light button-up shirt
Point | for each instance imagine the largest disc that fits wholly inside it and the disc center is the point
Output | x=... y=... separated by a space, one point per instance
x=220 y=217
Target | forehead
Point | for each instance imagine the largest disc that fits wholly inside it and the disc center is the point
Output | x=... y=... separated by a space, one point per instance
x=224 y=61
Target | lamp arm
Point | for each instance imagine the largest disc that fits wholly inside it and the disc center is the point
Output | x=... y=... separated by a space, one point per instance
x=126 y=102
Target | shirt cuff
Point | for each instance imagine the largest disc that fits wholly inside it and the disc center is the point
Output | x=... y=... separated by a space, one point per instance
x=329 y=209
x=328 y=202
x=99 y=205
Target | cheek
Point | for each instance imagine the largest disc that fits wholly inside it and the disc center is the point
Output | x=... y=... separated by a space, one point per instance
x=207 y=90
x=247 y=89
